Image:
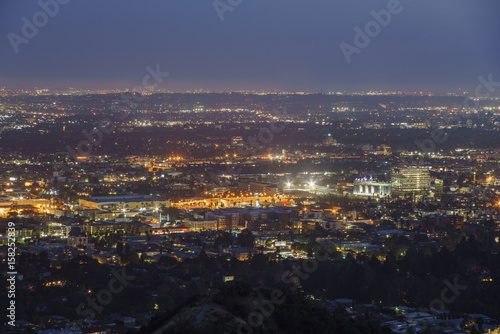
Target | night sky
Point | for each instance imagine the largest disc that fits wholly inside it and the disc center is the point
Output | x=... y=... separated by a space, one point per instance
x=437 y=45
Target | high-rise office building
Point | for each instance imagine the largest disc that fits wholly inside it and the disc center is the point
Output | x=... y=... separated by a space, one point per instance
x=410 y=180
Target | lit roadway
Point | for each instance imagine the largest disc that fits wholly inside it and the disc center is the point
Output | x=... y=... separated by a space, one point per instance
x=226 y=202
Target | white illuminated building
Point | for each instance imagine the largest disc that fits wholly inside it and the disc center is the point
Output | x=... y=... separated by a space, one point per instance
x=368 y=187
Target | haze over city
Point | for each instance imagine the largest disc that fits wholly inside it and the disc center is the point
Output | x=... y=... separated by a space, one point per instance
x=284 y=45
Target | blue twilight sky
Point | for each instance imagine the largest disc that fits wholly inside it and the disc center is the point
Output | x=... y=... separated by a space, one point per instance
x=260 y=44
